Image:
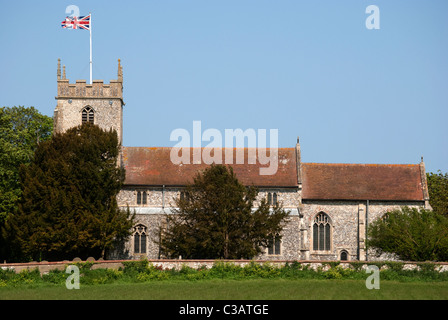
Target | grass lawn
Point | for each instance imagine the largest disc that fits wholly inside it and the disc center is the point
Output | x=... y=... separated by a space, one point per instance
x=217 y=289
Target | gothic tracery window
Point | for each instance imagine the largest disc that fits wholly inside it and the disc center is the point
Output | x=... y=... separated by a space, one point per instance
x=321 y=232
x=88 y=115
x=140 y=239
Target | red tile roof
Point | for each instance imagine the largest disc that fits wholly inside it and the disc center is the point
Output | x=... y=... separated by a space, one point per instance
x=153 y=166
x=320 y=181
x=361 y=182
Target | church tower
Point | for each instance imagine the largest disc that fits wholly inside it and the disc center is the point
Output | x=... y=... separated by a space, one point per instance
x=98 y=103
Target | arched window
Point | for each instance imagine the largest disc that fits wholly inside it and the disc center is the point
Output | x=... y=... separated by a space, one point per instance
x=344 y=255
x=321 y=232
x=140 y=239
x=139 y=197
x=142 y=197
x=272 y=198
x=185 y=196
x=88 y=115
x=274 y=246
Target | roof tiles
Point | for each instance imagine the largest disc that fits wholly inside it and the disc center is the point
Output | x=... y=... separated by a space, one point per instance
x=153 y=166
x=361 y=181
x=320 y=181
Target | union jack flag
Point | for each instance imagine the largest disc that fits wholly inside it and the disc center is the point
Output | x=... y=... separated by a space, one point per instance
x=76 y=23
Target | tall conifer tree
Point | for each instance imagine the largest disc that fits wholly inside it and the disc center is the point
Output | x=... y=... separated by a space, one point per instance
x=69 y=206
x=215 y=219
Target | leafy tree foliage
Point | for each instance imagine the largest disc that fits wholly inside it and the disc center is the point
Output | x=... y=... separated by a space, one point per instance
x=69 y=205
x=411 y=234
x=21 y=130
x=215 y=219
x=438 y=192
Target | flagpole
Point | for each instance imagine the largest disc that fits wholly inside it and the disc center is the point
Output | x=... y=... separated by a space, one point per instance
x=90 y=28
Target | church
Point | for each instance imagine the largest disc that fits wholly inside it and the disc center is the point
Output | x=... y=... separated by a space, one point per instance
x=330 y=205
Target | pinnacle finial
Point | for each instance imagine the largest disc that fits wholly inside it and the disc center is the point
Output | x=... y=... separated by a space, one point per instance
x=59 y=69
x=120 y=71
x=63 y=72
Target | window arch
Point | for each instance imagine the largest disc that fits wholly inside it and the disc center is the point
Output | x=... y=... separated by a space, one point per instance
x=142 y=197
x=140 y=239
x=272 y=198
x=274 y=247
x=88 y=115
x=321 y=232
x=185 y=196
x=139 y=197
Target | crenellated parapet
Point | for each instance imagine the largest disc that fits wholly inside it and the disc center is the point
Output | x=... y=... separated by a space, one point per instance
x=81 y=89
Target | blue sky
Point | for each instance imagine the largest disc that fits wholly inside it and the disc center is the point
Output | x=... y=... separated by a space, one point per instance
x=307 y=68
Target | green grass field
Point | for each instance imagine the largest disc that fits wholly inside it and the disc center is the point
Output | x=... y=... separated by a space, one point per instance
x=218 y=289
x=139 y=280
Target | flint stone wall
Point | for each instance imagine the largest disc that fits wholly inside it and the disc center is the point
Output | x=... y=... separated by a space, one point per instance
x=45 y=267
x=348 y=219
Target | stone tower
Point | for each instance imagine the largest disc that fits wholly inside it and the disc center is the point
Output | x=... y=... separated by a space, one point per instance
x=98 y=103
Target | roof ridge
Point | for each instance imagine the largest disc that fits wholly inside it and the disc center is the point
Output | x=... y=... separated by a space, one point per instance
x=155 y=147
x=363 y=164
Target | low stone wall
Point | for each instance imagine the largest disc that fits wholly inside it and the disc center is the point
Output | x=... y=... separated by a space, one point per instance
x=45 y=267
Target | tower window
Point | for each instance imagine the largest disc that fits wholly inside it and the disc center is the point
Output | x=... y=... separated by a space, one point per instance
x=88 y=115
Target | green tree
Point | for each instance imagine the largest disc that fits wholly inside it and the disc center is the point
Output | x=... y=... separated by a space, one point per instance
x=411 y=234
x=69 y=205
x=215 y=219
x=438 y=192
x=21 y=130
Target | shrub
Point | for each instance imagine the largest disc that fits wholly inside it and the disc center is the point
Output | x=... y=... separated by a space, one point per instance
x=395 y=266
x=255 y=270
x=333 y=273
x=135 y=267
x=225 y=270
x=55 y=277
x=411 y=234
x=357 y=265
x=28 y=277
